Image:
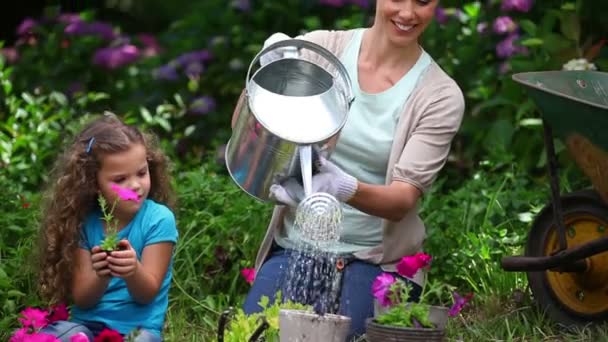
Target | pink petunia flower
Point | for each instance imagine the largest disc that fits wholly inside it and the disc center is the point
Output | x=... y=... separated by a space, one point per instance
x=59 y=312
x=109 y=335
x=381 y=288
x=409 y=265
x=248 y=274
x=517 y=5
x=22 y=336
x=459 y=303
x=504 y=24
x=34 y=318
x=125 y=194
x=80 y=337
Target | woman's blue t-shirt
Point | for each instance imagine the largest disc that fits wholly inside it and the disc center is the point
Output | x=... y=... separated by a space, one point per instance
x=153 y=223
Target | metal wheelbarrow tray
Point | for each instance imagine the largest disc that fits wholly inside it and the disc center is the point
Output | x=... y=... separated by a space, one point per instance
x=565 y=258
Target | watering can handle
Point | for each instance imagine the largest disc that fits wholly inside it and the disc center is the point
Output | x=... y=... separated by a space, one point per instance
x=300 y=43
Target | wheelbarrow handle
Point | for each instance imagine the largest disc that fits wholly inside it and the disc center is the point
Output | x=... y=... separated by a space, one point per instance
x=221 y=326
x=260 y=330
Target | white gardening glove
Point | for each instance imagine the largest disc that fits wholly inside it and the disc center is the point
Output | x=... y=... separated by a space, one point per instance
x=332 y=180
x=289 y=192
x=279 y=53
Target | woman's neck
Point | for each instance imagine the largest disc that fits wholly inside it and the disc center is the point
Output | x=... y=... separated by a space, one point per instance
x=378 y=51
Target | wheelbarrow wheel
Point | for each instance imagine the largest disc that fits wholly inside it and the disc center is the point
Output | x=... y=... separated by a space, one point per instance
x=571 y=299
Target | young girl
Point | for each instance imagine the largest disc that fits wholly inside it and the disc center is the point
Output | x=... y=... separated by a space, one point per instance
x=126 y=289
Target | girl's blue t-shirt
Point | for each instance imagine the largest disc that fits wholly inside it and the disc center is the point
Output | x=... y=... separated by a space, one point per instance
x=153 y=223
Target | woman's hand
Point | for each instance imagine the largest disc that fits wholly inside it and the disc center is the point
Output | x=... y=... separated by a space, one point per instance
x=123 y=263
x=334 y=181
x=100 y=262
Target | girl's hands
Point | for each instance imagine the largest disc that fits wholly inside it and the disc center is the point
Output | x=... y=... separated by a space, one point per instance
x=123 y=263
x=100 y=262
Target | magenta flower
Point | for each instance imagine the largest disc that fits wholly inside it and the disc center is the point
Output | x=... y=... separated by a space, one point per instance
x=248 y=274
x=381 y=288
x=26 y=26
x=409 y=265
x=59 y=312
x=459 y=303
x=504 y=24
x=80 y=337
x=518 y=5
x=19 y=335
x=83 y=28
x=116 y=57
x=34 y=318
x=125 y=194
x=151 y=45
x=507 y=48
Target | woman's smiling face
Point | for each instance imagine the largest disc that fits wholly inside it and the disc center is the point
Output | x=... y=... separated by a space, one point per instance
x=403 y=21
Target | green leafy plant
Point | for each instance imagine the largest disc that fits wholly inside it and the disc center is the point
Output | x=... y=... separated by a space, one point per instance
x=242 y=326
x=394 y=293
x=110 y=242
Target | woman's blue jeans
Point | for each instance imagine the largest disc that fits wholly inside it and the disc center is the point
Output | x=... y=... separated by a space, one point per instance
x=355 y=299
x=63 y=330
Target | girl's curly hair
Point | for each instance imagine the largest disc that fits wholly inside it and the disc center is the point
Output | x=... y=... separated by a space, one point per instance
x=73 y=192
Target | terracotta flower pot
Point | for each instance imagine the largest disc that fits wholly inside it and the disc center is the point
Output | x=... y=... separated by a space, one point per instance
x=305 y=326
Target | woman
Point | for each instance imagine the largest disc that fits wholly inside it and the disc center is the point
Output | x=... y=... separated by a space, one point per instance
x=396 y=140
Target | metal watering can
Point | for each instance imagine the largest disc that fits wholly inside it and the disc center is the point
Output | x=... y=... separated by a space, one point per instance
x=300 y=100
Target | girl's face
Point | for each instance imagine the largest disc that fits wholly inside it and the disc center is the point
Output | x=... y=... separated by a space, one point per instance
x=403 y=21
x=128 y=169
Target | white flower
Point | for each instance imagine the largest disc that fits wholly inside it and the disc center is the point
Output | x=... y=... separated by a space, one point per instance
x=579 y=64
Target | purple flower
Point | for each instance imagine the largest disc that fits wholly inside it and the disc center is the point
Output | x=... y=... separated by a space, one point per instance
x=507 y=48
x=194 y=69
x=116 y=57
x=381 y=288
x=151 y=45
x=482 y=27
x=193 y=56
x=26 y=26
x=518 y=5
x=69 y=18
x=241 y=5
x=202 y=105
x=360 y=3
x=459 y=303
x=504 y=24
x=504 y=67
x=440 y=15
x=166 y=72
x=332 y=3
x=81 y=28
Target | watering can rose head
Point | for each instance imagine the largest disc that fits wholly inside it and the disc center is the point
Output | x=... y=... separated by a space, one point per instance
x=393 y=293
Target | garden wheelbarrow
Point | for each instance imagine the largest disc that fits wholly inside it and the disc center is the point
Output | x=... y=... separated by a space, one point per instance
x=565 y=256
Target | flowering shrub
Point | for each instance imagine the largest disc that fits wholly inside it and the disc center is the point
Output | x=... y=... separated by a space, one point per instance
x=394 y=293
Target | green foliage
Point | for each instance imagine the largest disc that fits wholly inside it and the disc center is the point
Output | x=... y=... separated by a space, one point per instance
x=242 y=326
x=17 y=251
x=32 y=125
x=110 y=241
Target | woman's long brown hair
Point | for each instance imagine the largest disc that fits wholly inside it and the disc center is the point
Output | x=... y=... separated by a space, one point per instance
x=72 y=194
